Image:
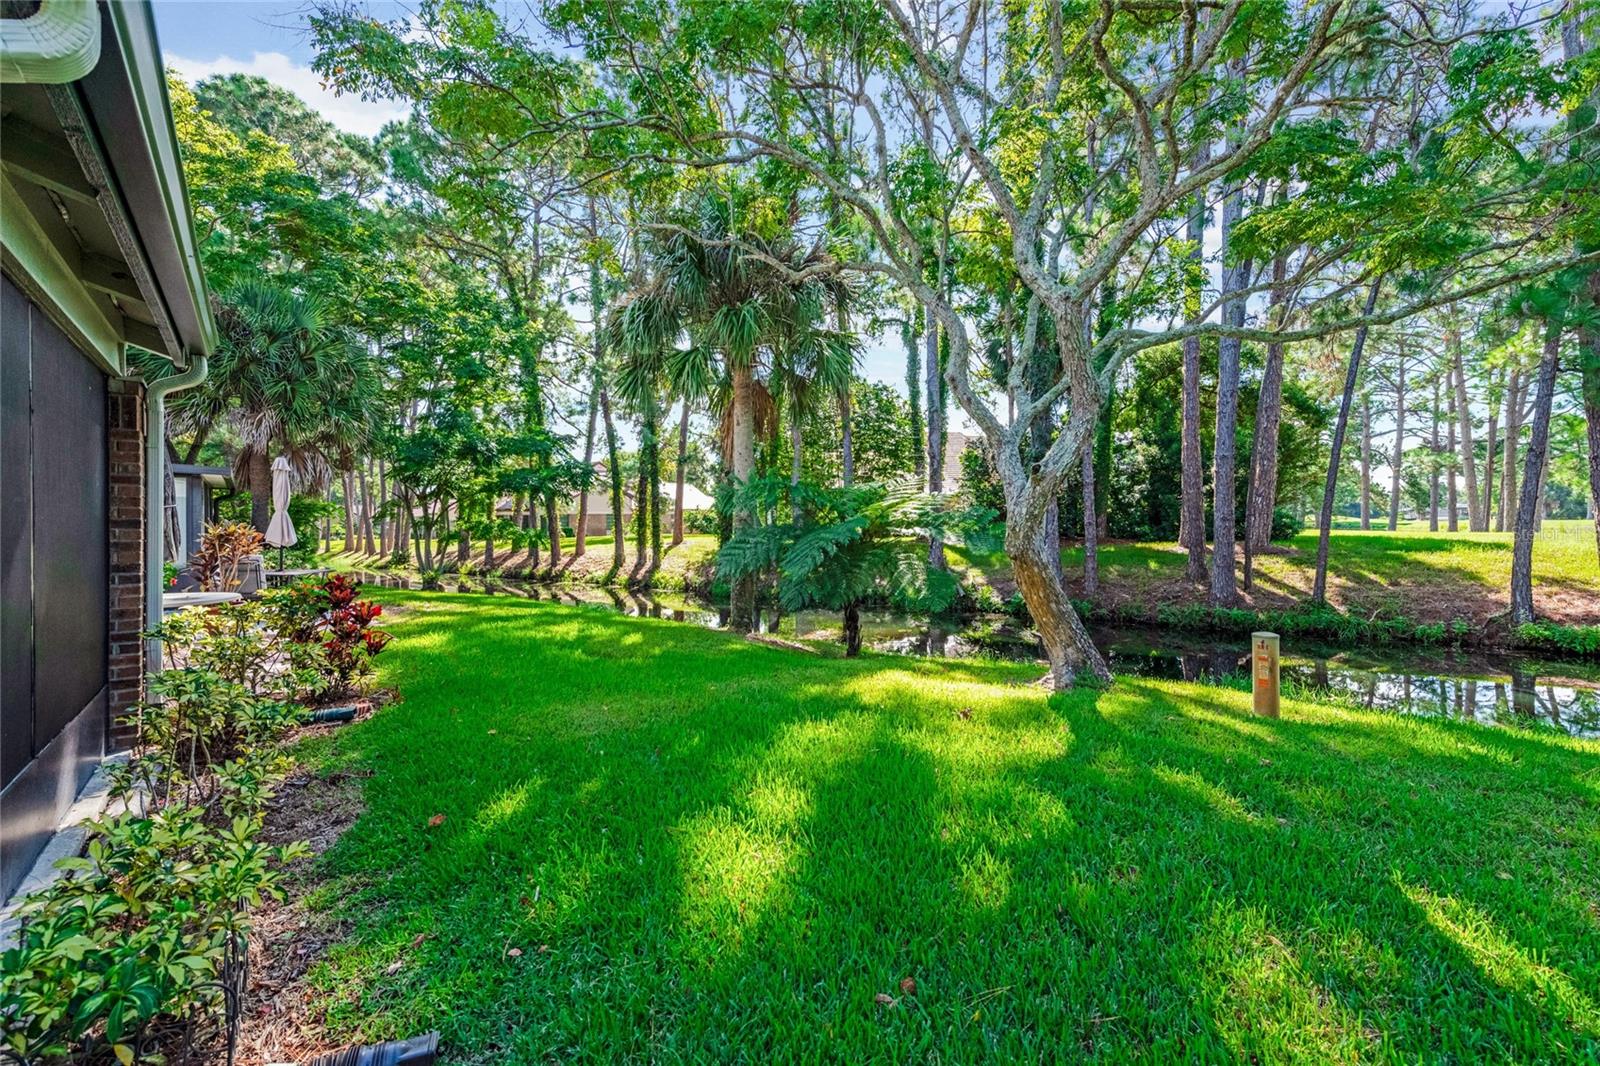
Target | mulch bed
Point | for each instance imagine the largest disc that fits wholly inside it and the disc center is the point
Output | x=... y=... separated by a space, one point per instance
x=281 y=1020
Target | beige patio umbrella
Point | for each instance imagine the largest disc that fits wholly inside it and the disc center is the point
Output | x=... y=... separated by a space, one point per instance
x=280 y=527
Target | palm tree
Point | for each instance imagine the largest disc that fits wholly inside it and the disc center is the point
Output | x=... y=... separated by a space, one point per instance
x=743 y=304
x=291 y=381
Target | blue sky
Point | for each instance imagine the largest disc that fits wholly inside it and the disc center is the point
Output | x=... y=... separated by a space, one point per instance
x=270 y=38
x=265 y=37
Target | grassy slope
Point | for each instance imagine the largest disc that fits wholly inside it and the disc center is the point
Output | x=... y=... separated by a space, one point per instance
x=680 y=566
x=709 y=851
x=1409 y=573
x=1427 y=577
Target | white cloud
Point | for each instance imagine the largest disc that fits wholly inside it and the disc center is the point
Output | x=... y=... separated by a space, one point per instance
x=348 y=112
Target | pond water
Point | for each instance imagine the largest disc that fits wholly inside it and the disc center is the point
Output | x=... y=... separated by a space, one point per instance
x=1473 y=684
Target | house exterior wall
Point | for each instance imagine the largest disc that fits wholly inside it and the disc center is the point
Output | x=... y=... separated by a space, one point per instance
x=55 y=502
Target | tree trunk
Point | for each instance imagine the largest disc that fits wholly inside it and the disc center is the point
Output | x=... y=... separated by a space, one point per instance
x=1366 y=461
x=935 y=428
x=1225 y=445
x=852 y=630
x=742 y=608
x=488 y=537
x=614 y=467
x=349 y=487
x=1066 y=642
x=192 y=456
x=796 y=442
x=1469 y=464
x=1508 y=452
x=1091 y=540
x=1533 y=469
x=1263 y=493
x=260 y=470
x=1433 y=463
x=1398 y=461
x=1192 y=516
x=553 y=520
x=655 y=489
x=424 y=542
x=386 y=536
x=1490 y=443
x=1452 y=523
x=366 y=511
x=581 y=533
x=1319 y=586
x=847 y=448
x=914 y=398
x=683 y=458
x=1589 y=365
x=1543 y=497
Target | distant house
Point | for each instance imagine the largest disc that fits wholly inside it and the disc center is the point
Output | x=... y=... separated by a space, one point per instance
x=599 y=518
x=97 y=254
x=954 y=444
x=197 y=491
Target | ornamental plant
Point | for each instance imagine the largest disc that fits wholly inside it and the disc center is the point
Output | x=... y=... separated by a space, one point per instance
x=144 y=927
x=258 y=643
x=223 y=547
x=149 y=925
x=332 y=617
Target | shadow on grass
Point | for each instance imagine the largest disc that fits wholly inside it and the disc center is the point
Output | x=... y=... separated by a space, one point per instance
x=677 y=846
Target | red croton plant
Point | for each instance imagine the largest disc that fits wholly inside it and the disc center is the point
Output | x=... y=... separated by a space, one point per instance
x=333 y=615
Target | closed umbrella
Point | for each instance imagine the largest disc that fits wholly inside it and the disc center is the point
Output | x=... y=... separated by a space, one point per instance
x=280 y=527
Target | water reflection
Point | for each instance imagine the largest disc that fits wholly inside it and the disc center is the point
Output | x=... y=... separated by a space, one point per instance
x=1480 y=686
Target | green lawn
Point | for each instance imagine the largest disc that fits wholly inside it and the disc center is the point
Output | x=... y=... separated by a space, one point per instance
x=665 y=844
x=1409 y=573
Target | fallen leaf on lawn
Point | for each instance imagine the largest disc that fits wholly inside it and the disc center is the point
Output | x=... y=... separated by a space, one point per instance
x=908 y=985
x=524 y=901
x=883 y=999
x=436 y=821
x=416 y=941
x=964 y=713
x=1502 y=875
x=1266 y=762
x=515 y=953
x=394 y=967
x=543 y=948
x=492 y=732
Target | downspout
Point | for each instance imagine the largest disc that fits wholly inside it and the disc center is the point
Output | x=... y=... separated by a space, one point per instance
x=155 y=501
x=58 y=43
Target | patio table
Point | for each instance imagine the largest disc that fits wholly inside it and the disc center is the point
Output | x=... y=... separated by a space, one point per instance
x=177 y=601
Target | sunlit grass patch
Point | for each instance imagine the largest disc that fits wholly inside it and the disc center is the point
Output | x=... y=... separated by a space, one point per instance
x=705 y=850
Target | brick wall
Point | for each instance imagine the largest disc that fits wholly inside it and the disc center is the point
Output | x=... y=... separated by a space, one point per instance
x=125 y=441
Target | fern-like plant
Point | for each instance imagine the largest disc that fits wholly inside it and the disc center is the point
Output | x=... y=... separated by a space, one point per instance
x=840 y=548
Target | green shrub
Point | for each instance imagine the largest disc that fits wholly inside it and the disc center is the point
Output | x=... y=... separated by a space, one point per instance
x=1286 y=523
x=140 y=928
x=241 y=643
x=151 y=922
x=700 y=522
x=1574 y=640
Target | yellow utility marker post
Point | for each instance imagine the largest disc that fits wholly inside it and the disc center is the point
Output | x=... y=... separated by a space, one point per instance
x=1264 y=672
